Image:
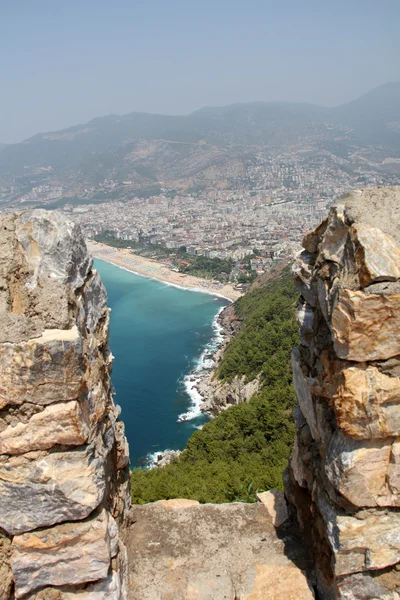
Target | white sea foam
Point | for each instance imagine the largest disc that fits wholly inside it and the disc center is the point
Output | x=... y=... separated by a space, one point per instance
x=203 y=366
x=152 y=458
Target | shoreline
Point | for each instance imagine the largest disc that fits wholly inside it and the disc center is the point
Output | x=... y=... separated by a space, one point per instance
x=203 y=370
x=152 y=269
x=195 y=383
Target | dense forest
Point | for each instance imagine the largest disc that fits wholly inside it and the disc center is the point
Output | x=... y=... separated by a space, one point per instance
x=246 y=448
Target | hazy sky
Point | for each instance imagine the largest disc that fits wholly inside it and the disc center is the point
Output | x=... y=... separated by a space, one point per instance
x=64 y=62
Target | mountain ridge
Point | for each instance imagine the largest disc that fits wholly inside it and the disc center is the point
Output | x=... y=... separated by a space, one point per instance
x=303 y=108
x=209 y=109
x=179 y=152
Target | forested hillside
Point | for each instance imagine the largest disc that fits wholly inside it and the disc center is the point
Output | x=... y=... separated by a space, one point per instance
x=245 y=448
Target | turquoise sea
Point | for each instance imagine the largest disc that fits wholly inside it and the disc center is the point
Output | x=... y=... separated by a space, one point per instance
x=158 y=335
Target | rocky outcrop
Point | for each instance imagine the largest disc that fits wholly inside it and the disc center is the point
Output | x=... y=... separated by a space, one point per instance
x=219 y=395
x=344 y=475
x=64 y=463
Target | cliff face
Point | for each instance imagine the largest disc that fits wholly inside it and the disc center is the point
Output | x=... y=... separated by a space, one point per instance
x=217 y=395
x=344 y=475
x=64 y=462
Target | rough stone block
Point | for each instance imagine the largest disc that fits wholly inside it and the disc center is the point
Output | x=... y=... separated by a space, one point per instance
x=275 y=503
x=305 y=321
x=95 y=301
x=39 y=489
x=303 y=392
x=368 y=544
x=369 y=540
x=44 y=370
x=332 y=245
x=365 y=326
x=54 y=247
x=67 y=554
x=302 y=269
x=363 y=471
x=377 y=254
x=366 y=401
x=64 y=424
x=312 y=239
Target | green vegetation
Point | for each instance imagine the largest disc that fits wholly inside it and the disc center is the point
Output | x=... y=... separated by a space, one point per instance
x=247 y=277
x=246 y=448
x=268 y=336
x=211 y=268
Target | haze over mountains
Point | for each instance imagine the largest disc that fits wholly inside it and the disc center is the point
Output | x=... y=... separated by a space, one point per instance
x=149 y=150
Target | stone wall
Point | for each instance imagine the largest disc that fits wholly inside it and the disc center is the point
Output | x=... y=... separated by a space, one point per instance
x=64 y=460
x=344 y=475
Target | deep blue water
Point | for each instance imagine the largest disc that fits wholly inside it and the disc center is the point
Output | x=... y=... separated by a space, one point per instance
x=157 y=335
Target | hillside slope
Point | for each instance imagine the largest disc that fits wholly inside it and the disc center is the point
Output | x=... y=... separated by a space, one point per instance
x=209 y=145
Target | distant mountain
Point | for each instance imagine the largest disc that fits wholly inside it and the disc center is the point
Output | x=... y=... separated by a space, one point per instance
x=2 y=146
x=375 y=116
x=212 y=142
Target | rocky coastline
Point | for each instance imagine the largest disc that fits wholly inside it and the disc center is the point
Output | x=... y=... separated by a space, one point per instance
x=216 y=395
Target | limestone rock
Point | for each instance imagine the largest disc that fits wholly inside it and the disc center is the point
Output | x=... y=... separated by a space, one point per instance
x=332 y=246
x=297 y=465
x=177 y=503
x=43 y=370
x=275 y=503
x=301 y=271
x=122 y=446
x=365 y=544
x=38 y=489
x=70 y=553
x=394 y=470
x=377 y=207
x=95 y=301
x=363 y=472
x=63 y=453
x=64 y=424
x=377 y=255
x=303 y=392
x=361 y=586
x=305 y=321
x=26 y=312
x=54 y=247
x=344 y=473
x=6 y=577
x=366 y=401
x=218 y=395
x=276 y=582
x=365 y=326
x=105 y=589
x=312 y=239
x=214 y=552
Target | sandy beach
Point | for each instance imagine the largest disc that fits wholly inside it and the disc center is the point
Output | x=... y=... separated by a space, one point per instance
x=124 y=258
